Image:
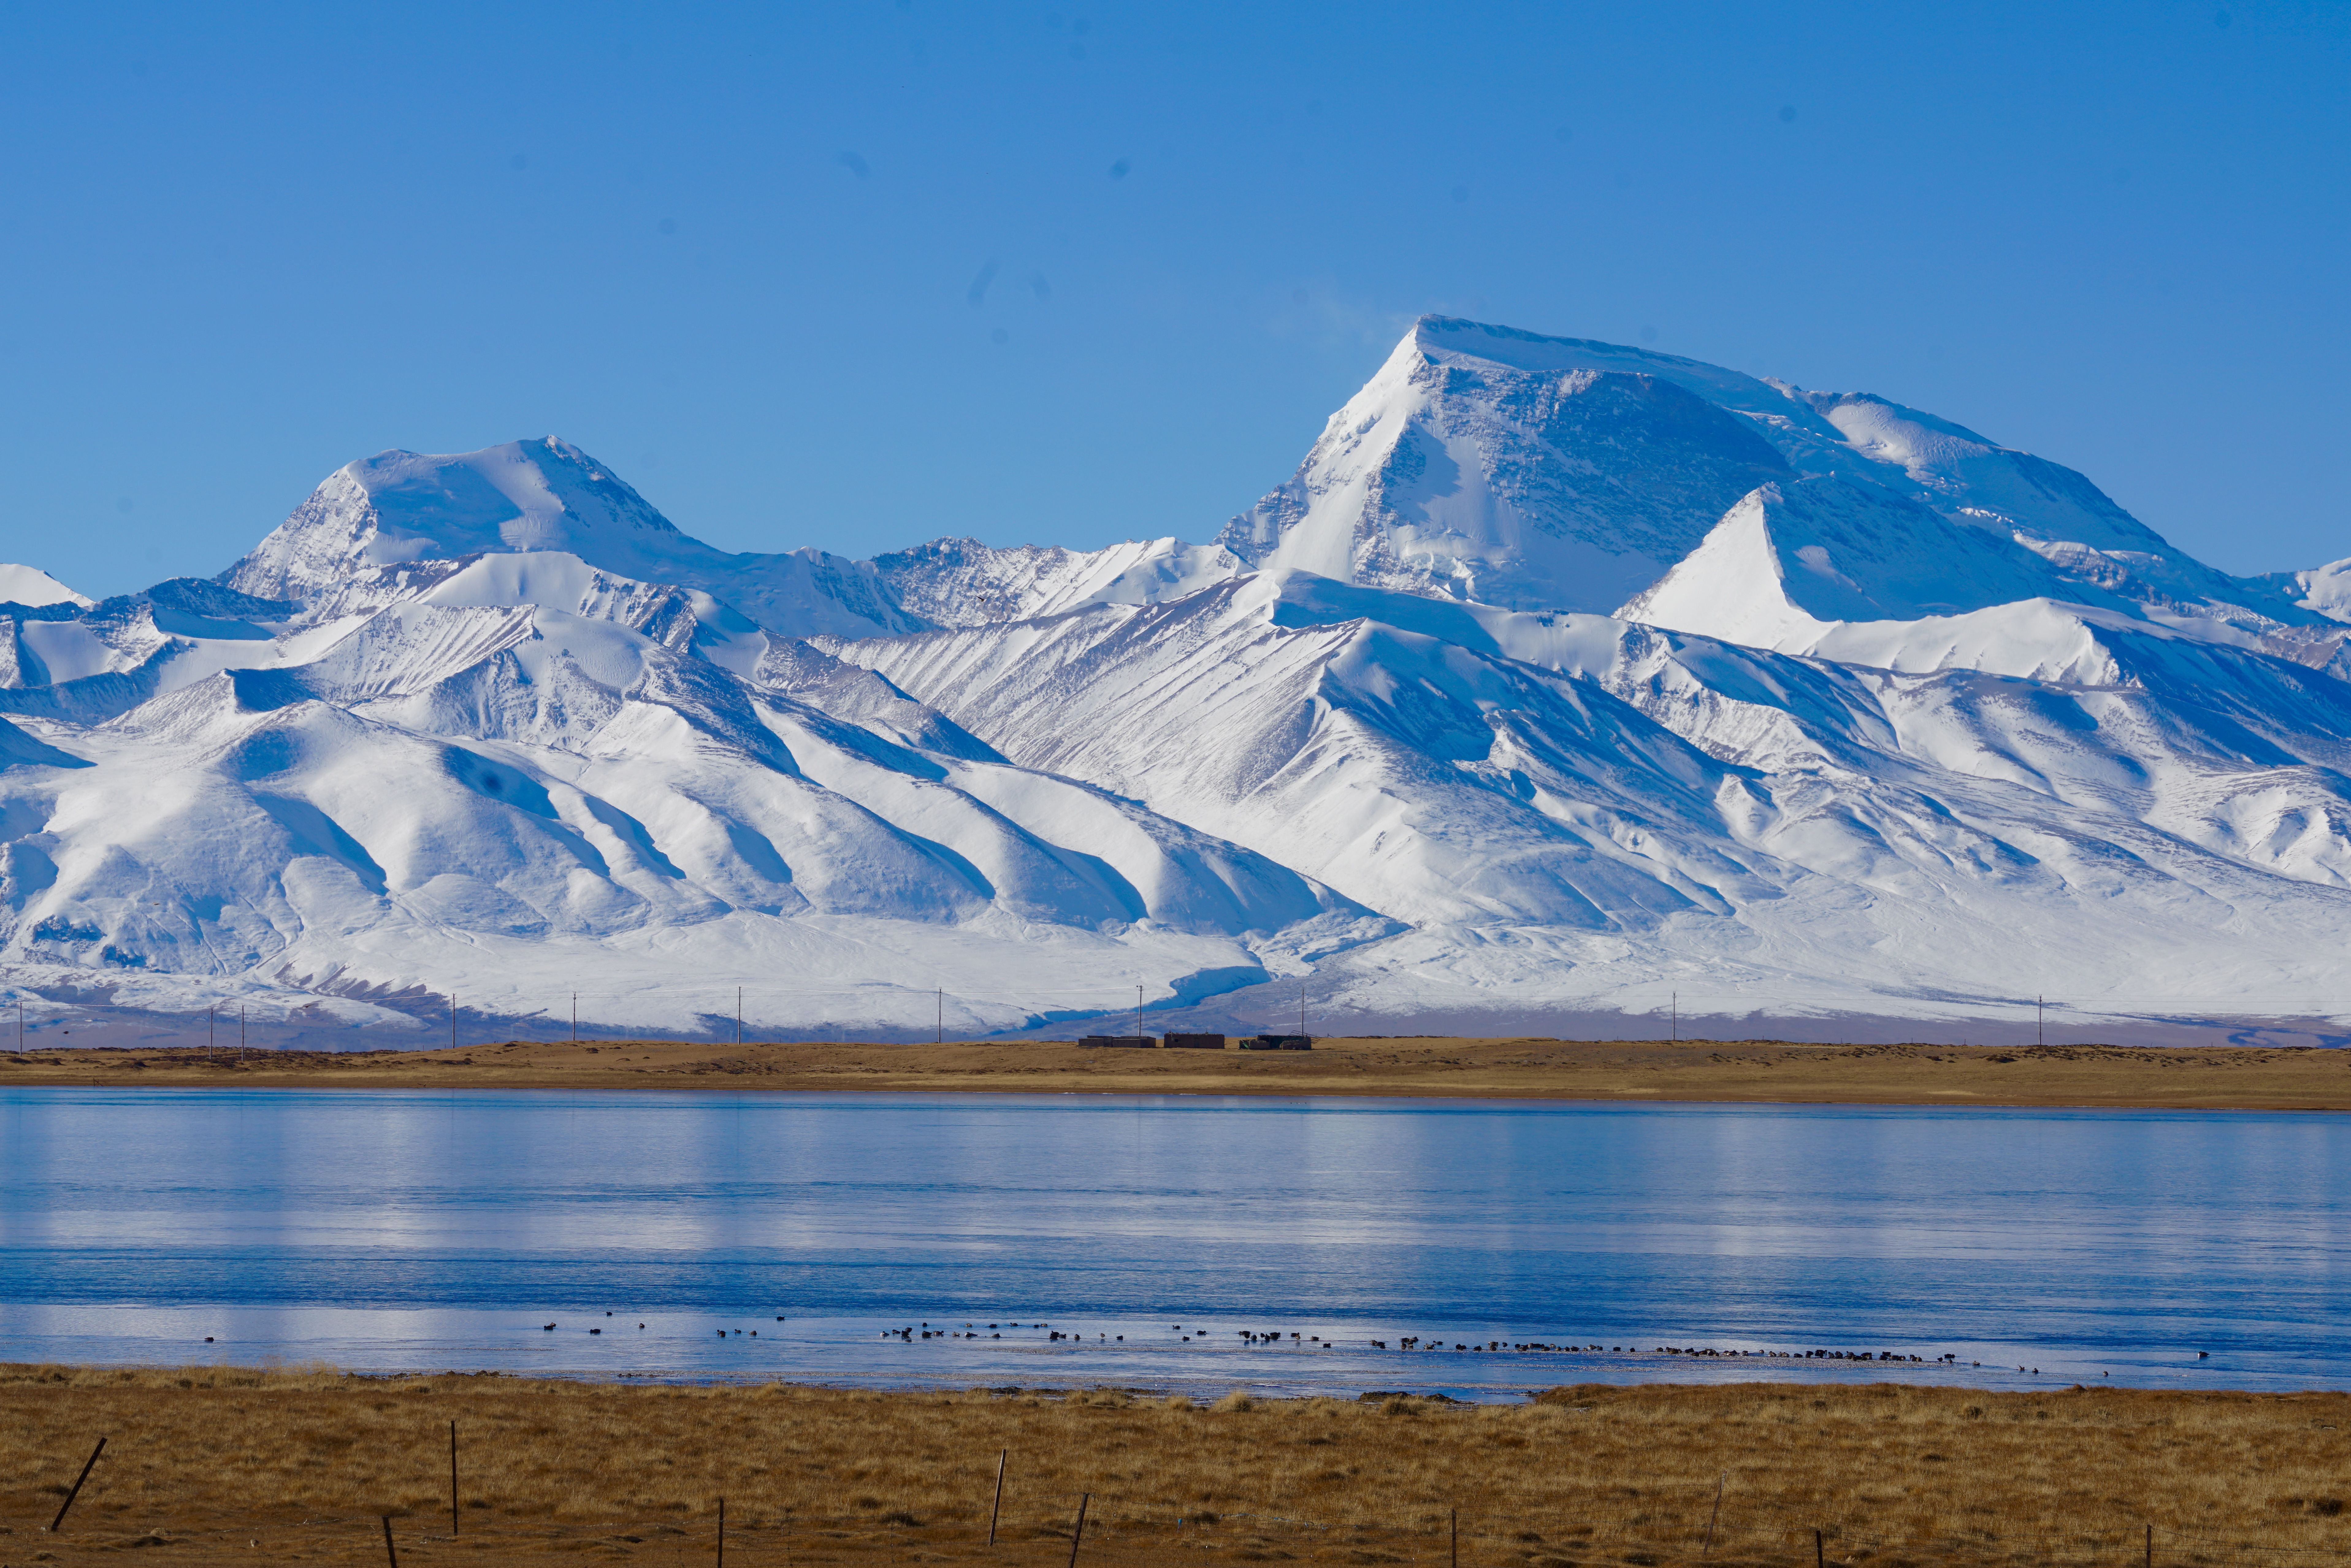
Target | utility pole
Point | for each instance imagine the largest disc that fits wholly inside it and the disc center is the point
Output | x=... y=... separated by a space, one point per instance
x=575 y=1018
x=738 y=1015
x=453 y=1020
x=208 y=1031
x=1302 y=1006
x=240 y=1028
x=1138 y=1012
x=942 y=1039
x=2037 y=1038
x=1675 y=1038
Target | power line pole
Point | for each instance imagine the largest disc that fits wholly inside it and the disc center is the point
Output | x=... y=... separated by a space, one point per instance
x=1675 y=1038
x=942 y=1039
x=453 y=1020
x=738 y=1015
x=2037 y=1038
x=575 y=1018
x=1138 y=1012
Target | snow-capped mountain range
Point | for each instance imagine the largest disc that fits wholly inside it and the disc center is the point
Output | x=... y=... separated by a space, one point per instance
x=1562 y=681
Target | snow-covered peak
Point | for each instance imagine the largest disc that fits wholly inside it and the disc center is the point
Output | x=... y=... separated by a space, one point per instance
x=1537 y=472
x=31 y=586
x=541 y=495
x=2326 y=590
x=1830 y=569
x=1451 y=338
x=401 y=507
x=1559 y=475
x=1791 y=558
x=369 y=521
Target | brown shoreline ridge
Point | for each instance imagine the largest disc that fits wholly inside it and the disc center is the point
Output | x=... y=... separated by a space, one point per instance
x=233 y=1464
x=2245 y=1078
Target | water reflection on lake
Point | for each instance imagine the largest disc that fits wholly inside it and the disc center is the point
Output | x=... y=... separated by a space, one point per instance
x=438 y=1229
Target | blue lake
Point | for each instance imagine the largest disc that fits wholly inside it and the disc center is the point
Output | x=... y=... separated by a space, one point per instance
x=444 y=1230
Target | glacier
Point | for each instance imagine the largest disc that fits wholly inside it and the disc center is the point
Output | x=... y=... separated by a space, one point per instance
x=1565 y=688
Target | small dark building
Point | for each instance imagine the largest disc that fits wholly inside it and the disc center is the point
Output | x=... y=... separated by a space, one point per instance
x=1194 y=1042
x=1279 y=1042
x=1110 y=1041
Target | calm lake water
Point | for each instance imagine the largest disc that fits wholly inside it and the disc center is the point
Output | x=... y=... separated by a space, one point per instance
x=443 y=1229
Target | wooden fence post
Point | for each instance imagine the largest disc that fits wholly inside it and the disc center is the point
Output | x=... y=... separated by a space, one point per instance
x=1716 y=1515
x=1080 y=1533
x=453 y=1480
x=722 y=1532
x=1454 y=1514
x=388 y=1552
x=76 y=1490
x=997 y=1506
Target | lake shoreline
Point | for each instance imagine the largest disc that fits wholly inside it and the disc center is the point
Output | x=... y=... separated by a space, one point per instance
x=2087 y=1076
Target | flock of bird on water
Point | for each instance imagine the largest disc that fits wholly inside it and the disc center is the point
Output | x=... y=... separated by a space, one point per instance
x=1251 y=1338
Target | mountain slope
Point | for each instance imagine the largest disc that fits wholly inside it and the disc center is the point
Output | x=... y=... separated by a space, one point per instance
x=30 y=585
x=1791 y=558
x=532 y=777
x=1567 y=808
x=1559 y=474
x=1567 y=488
x=1563 y=681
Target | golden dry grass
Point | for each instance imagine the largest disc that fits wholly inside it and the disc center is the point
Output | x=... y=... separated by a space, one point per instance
x=231 y=1465
x=2221 y=1076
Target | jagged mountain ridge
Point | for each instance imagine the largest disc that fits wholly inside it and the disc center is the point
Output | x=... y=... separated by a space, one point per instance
x=1559 y=474
x=1561 y=677
x=1480 y=461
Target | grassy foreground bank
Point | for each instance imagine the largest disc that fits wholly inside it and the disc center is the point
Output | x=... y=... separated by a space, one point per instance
x=2232 y=1078
x=224 y=1464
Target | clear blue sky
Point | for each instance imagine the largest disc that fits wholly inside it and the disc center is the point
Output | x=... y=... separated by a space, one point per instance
x=857 y=275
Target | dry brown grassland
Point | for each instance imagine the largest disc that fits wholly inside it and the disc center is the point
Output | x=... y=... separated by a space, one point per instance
x=230 y=1466
x=2207 y=1078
